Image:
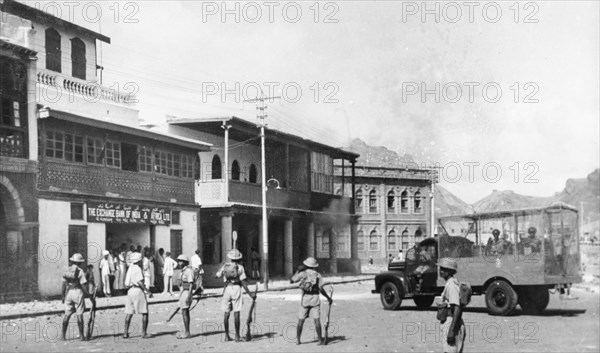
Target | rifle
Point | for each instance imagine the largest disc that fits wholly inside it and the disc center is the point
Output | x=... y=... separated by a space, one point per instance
x=249 y=320
x=197 y=292
x=92 y=316
x=328 y=313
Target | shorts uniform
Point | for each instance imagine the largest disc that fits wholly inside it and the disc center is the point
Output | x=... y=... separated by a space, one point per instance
x=310 y=304
x=187 y=280
x=136 y=302
x=451 y=295
x=74 y=302
x=232 y=294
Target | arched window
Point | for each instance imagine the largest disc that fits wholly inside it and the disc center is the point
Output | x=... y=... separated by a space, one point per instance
x=391 y=238
x=391 y=202
x=216 y=167
x=253 y=172
x=78 y=58
x=53 y=52
x=361 y=240
x=359 y=201
x=418 y=203
x=418 y=235
x=235 y=170
x=374 y=240
x=405 y=242
x=373 y=201
x=404 y=202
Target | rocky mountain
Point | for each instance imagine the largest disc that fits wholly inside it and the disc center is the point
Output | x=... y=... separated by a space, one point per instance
x=510 y=200
x=378 y=156
x=448 y=204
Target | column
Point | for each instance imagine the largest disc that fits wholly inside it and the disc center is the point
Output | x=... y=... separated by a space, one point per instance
x=226 y=229
x=353 y=239
x=288 y=248
x=332 y=251
x=32 y=114
x=310 y=240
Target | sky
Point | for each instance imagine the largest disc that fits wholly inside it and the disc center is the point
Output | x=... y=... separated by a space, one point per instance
x=500 y=95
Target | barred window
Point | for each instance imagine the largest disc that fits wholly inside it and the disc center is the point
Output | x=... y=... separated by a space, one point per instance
x=392 y=240
x=374 y=241
x=113 y=154
x=164 y=162
x=418 y=203
x=404 y=202
x=187 y=166
x=145 y=159
x=95 y=151
x=68 y=147
x=391 y=202
x=373 y=201
x=321 y=173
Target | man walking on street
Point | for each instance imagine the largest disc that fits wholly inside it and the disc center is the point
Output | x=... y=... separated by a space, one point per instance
x=74 y=288
x=255 y=257
x=451 y=319
x=311 y=284
x=234 y=277
x=160 y=265
x=187 y=288
x=136 y=301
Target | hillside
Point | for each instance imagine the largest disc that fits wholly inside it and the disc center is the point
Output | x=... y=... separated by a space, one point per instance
x=509 y=200
x=448 y=204
x=378 y=156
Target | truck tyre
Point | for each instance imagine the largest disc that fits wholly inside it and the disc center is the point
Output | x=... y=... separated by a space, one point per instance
x=500 y=298
x=423 y=302
x=533 y=299
x=391 y=296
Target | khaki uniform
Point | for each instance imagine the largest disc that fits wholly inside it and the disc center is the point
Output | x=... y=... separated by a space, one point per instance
x=136 y=302
x=187 y=281
x=232 y=295
x=310 y=304
x=451 y=295
x=75 y=280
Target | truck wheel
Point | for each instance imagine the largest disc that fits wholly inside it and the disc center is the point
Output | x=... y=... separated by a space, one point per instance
x=423 y=301
x=391 y=296
x=533 y=299
x=500 y=298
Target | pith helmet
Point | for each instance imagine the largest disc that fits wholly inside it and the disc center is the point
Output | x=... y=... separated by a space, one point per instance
x=183 y=257
x=495 y=232
x=234 y=254
x=448 y=263
x=310 y=262
x=77 y=258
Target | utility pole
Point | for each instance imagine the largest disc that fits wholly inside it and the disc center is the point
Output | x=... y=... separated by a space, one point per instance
x=261 y=115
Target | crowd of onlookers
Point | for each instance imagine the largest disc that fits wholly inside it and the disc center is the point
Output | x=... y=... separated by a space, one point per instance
x=158 y=269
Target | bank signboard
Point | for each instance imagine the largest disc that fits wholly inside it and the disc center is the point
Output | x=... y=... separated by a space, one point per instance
x=109 y=212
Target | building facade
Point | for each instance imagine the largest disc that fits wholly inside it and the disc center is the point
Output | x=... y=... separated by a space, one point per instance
x=393 y=206
x=78 y=174
x=301 y=203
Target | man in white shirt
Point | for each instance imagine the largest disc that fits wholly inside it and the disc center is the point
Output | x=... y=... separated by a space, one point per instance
x=105 y=272
x=196 y=264
x=168 y=270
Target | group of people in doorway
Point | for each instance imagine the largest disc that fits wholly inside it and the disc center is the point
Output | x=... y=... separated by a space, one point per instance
x=157 y=268
x=79 y=283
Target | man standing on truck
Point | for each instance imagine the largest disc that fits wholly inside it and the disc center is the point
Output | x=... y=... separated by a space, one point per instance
x=451 y=319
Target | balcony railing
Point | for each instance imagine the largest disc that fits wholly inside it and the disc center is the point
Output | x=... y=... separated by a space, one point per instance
x=212 y=193
x=89 y=90
x=100 y=180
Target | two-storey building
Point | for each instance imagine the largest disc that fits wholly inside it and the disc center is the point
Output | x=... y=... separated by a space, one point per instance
x=393 y=206
x=301 y=203
x=102 y=181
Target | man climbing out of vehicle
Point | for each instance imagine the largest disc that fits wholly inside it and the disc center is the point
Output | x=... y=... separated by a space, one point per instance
x=450 y=310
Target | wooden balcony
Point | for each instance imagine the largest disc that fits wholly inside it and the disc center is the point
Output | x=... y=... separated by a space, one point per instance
x=98 y=180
